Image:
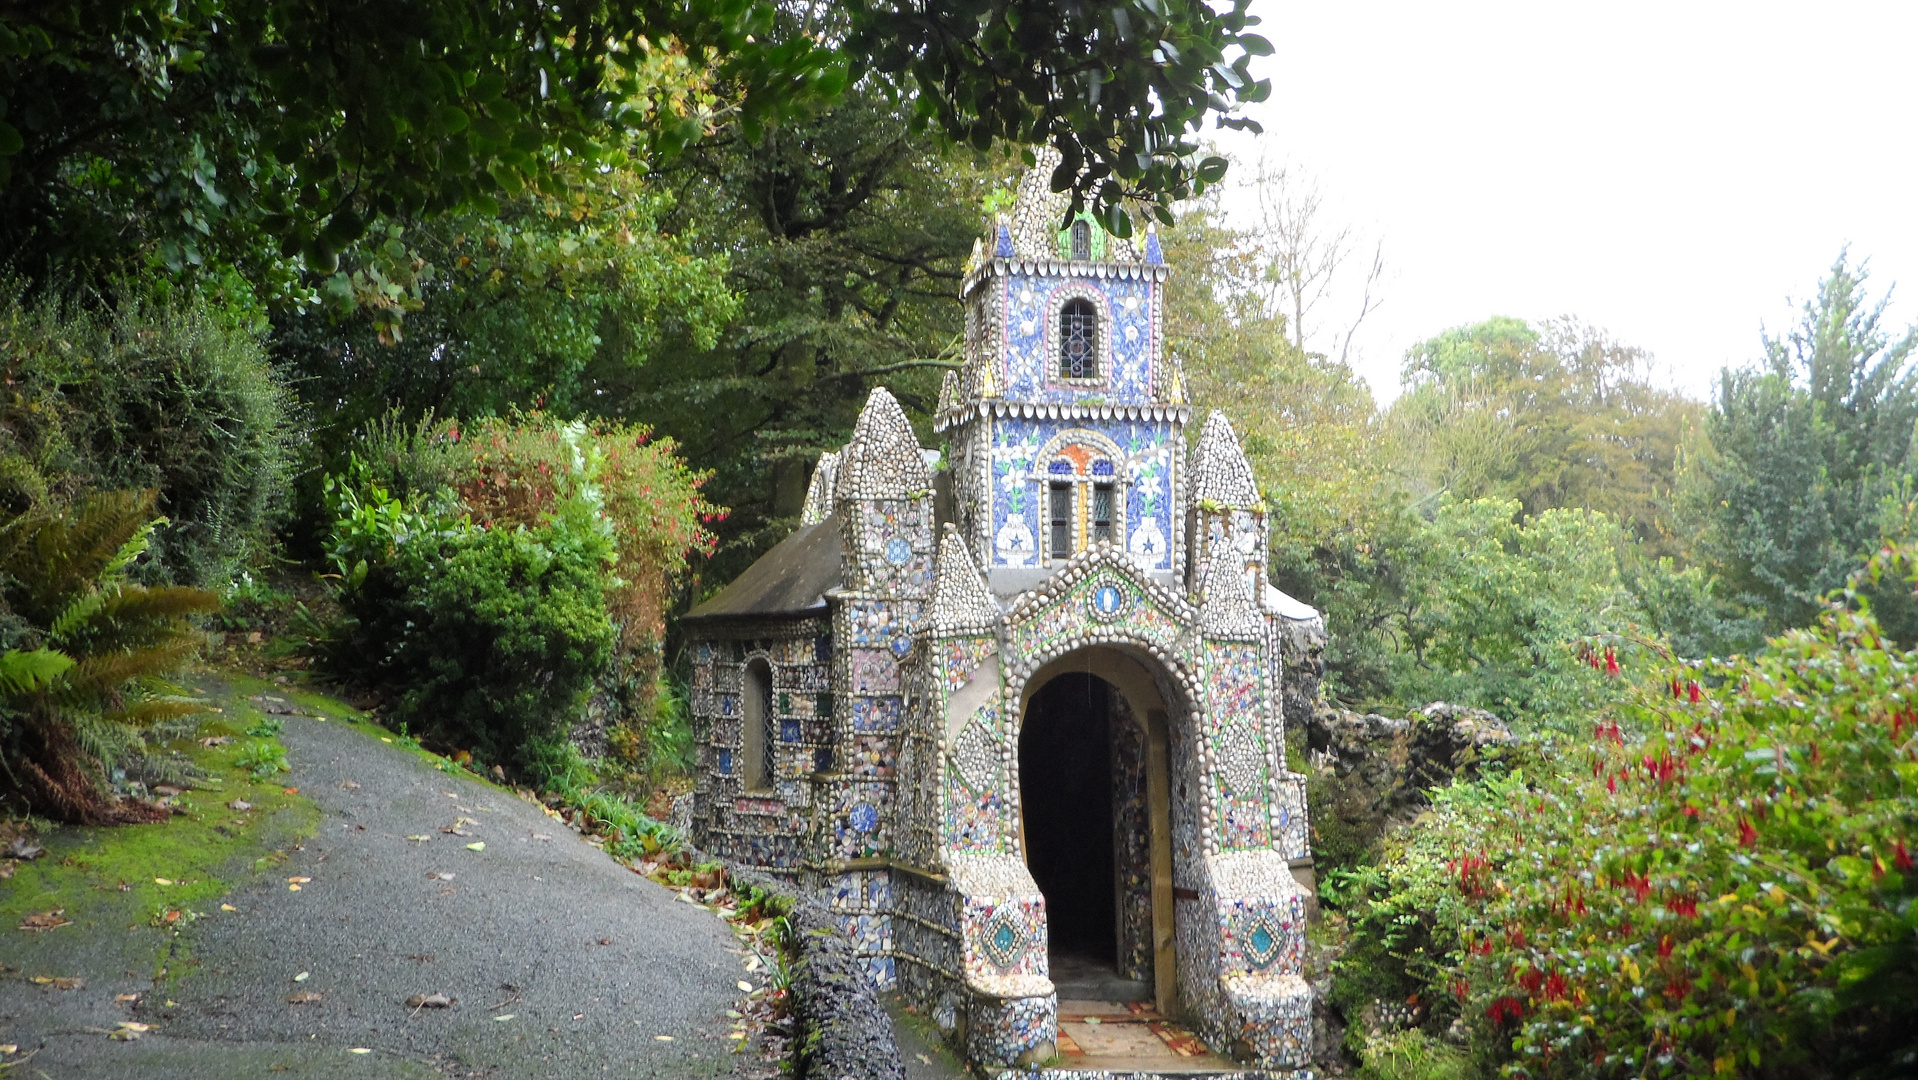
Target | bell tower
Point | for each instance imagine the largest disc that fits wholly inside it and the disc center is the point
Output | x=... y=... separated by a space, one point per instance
x=1066 y=422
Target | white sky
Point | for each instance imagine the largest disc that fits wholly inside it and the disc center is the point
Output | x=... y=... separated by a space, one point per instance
x=1672 y=172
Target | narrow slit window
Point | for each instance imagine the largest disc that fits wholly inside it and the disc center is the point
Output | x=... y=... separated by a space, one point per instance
x=1061 y=517
x=1102 y=513
x=1081 y=241
x=1078 y=340
x=757 y=729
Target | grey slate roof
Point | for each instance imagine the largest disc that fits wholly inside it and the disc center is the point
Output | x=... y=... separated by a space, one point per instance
x=791 y=579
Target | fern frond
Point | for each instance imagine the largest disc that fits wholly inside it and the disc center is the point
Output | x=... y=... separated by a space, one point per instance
x=75 y=615
x=134 y=547
x=142 y=714
x=23 y=671
x=101 y=676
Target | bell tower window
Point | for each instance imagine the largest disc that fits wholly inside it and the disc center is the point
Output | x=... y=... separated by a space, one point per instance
x=1102 y=513
x=1059 y=515
x=1078 y=340
x=1081 y=241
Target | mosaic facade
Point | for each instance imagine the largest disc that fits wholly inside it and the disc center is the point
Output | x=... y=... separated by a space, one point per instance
x=859 y=693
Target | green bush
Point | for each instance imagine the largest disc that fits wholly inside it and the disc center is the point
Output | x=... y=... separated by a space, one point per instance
x=161 y=395
x=483 y=639
x=1731 y=894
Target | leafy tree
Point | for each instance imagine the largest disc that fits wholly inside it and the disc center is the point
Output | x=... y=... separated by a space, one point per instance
x=1811 y=454
x=262 y=134
x=1562 y=416
x=845 y=238
x=538 y=305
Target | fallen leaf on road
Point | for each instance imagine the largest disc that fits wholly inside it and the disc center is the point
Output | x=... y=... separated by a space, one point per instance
x=663 y=1038
x=292 y=888
x=299 y=880
x=605 y=941
x=162 y=881
x=46 y=920
x=923 y=1058
x=303 y=976
x=430 y=1001
x=350 y=785
x=59 y=982
x=420 y=838
x=437 y=875
x=362 y=1049
x=746 y=986
x=122 y=998
x=541 y=836
x=421 y=957
x=9 y=1048
x=127 y=1031
x=505 y=1016
x=228 y=907
x=480 y=846
x=302 y=997
x=289 y=791
x=455 y=830
x=239 y=804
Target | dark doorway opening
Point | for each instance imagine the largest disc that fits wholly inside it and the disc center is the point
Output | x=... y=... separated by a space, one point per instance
x=1065 y=788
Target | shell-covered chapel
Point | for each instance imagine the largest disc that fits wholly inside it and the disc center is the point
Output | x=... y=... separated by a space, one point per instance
x=1015 y=705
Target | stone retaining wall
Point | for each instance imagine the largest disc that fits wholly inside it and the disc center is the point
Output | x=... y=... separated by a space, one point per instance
x=845 y=1033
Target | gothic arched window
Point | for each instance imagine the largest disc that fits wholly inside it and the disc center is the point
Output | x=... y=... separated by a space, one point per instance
x=1078 y=340
x=1081 y=240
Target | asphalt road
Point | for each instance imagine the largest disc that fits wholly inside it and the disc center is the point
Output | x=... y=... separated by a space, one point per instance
x=562 y=963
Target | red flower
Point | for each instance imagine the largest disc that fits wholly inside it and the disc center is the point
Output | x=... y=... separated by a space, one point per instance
x=1692 y=692
x=1665 y=947
x=1460 y=988
x=1532 y=980
x=1611 y=663
x=1555 y=987
x=1901 y=858
x=1747 y=835
x=1505 y=1008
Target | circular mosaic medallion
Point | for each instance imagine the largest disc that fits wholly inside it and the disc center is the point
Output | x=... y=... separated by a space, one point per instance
x=863 y=818
x=1108 y=601
x=901 y=645
x=898 y=551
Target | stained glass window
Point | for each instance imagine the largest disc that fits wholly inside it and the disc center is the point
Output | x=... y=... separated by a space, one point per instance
x=1078 y=340
x=1061 y=519
x=1102 y=513
x=1081 y=241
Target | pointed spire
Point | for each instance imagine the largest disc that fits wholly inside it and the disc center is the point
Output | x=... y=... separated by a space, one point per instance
x=1002 y=242
x=1153 y=253
x=819 y=492
x=1226 y=610
x=1218 y=473
x=961 y=602
x=883 y=460
x=949 y=396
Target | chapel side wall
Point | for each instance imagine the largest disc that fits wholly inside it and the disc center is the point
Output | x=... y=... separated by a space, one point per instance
x=767 y=829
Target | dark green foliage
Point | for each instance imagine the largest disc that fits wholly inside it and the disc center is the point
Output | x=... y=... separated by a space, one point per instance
x=1813 y=450
x=482 y=639
x=268 y=136
x=81 y=653
x=149 y=394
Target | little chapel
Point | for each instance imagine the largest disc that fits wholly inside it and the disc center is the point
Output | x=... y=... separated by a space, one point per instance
x=1015 y=704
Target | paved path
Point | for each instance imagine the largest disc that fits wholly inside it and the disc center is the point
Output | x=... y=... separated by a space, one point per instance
x=564 y=963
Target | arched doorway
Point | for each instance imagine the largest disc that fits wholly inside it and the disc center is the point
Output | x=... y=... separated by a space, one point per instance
x=1095 y=830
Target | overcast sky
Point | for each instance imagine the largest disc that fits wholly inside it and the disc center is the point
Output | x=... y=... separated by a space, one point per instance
x=1672 y=172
